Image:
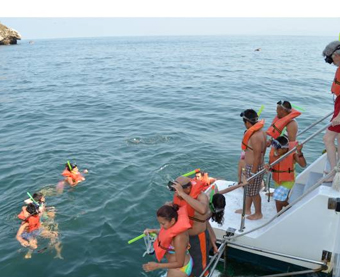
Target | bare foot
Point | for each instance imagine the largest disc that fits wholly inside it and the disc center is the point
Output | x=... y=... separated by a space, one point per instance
x=239 y=211
x=58 y=249
x=255 y=217
x=28 y=254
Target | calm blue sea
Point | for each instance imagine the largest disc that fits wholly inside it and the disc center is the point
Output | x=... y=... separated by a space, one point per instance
x=135 y=112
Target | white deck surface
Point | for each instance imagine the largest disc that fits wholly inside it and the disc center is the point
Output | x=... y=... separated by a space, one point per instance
x=234 y=201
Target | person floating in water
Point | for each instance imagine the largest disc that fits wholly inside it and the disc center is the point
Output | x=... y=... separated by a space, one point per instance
x=72 y=174
x=30 y=214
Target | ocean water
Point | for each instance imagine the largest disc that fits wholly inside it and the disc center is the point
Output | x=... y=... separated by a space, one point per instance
x=135 y=112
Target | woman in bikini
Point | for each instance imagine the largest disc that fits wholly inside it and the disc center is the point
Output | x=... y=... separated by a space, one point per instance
x=172 y=242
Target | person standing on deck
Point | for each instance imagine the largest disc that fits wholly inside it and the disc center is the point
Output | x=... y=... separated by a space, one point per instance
x=283 y=173
x=332 y=56
x=189 y=193
x=285 y=118
x=254 y=145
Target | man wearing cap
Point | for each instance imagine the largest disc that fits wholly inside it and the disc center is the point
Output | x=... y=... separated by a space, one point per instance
x=254 y=145
x=285 y=118
x=190 y=193
x=332 y=56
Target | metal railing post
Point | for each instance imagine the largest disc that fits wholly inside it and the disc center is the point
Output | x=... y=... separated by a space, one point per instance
x=274 y=163
x=315 y=123
x=243 y=217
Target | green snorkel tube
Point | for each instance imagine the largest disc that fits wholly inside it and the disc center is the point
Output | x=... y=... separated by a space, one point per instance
x=298 y=108
x=260 y=110
x=191 y=172
x=69 y=165
x=140 y=237
x=211 y=205
x=35 y=202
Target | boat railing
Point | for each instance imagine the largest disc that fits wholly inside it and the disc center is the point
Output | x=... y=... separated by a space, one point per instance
x=315 y=123
x=243 y=217
x=230 y=240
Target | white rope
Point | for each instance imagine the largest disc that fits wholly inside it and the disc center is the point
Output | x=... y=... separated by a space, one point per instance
x=149 y=240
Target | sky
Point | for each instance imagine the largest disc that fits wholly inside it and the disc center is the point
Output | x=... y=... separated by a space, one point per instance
x=61 y=27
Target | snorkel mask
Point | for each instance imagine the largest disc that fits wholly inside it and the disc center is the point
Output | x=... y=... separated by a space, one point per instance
x=277 y=145
x=281 y=104
x=253 y=120
x=172 y=183
x=329 y=59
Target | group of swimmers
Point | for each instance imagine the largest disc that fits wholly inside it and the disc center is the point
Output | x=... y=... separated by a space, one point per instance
x=185 y=236
x=38 y=219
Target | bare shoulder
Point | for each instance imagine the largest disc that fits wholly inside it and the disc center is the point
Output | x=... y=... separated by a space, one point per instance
x=258 y=136
x=293 y=123
x=202 y=197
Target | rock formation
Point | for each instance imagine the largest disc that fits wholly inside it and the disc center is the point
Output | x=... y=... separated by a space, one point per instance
x=8 y=35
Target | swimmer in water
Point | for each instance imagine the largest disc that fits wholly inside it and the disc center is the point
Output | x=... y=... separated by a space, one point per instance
x=45 y=227
x=72 y=174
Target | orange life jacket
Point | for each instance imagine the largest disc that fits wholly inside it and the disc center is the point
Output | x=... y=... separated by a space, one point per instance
x=336 y=83
x=33 y=223
x=75 y=177
x=23 y=215
x=278 y=125
x=285 y=170
x=207 y=181
x=196 y=189
x=165 y=237
x=256 y=127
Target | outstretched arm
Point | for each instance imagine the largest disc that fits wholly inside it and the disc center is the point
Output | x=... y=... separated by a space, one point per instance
x=223 y=191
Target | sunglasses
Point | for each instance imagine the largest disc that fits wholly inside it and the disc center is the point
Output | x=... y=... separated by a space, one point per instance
x=171 y=185
x=329 y=59
x=277 y=145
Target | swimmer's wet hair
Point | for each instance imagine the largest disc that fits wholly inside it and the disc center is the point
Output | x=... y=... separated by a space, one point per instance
x=37 y=196
x=32 y=209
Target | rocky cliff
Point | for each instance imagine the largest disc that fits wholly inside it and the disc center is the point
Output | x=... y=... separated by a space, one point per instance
x=8 y=35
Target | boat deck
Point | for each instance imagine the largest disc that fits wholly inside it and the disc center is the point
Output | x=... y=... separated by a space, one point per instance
x=234 y=201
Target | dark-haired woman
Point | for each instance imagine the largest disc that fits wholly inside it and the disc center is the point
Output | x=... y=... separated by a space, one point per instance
x=172 y=242
x=216 y=205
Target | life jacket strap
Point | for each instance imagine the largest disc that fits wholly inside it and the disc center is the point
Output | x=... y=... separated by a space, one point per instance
x=196 y=219
x=282 y=171
x=276 y=129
